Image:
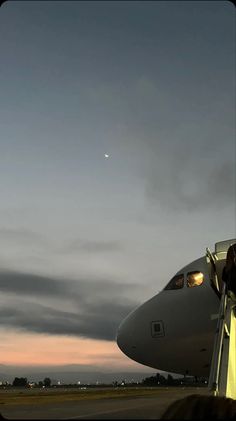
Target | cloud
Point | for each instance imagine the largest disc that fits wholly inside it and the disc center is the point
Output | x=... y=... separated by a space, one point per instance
x=96 y=307
x=29 y=284
x=185 y=164
x=185 y=187
x=98 y=321
x=222 y=182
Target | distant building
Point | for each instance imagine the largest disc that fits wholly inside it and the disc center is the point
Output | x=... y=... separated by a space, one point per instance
x=31 y=384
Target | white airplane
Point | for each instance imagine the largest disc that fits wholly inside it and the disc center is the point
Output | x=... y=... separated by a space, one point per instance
x=174 y=331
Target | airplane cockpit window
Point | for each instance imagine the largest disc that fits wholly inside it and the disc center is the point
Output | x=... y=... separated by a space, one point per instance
x=176 y=282
x=194 y=279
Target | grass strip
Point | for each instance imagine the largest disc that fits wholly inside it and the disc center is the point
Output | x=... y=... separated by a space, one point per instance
x=22 y=398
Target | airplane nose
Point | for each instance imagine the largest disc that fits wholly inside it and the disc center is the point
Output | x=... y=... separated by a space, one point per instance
x=136 y=336
x=122 y=337
x=125 y=338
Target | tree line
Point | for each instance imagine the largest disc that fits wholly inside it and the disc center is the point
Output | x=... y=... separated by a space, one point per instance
x=156 y=380
x=160 y=380
x=23 y=382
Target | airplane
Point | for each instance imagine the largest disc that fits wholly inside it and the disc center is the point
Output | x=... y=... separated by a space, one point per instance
x=174 y=331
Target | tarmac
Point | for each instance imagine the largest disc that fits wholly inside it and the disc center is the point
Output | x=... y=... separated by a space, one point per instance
x=140 y=407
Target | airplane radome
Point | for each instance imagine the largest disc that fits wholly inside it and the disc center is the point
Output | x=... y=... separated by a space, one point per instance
x=174 y=330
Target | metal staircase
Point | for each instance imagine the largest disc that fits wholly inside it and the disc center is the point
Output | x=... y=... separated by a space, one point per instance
x=222 y=380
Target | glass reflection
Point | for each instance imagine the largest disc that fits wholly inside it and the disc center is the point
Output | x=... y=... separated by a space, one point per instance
x=194 y=279
x=176 y=282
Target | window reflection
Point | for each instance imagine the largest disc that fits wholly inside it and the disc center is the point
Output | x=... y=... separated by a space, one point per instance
x=176 y=282
x=194 y=279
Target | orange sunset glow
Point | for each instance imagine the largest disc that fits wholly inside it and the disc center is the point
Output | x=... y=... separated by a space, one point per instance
x=32 y=349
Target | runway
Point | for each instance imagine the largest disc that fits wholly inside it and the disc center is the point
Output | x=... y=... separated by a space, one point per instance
x=137 y=407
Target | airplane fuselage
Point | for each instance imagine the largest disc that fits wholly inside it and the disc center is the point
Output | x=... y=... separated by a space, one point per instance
x=174 y=330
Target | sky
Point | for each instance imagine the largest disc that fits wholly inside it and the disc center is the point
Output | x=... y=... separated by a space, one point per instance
x=84 y=237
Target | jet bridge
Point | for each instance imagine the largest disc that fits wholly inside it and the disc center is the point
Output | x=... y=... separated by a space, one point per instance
x=222 y=380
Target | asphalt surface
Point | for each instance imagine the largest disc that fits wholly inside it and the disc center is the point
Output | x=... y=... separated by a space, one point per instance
x=148 y=407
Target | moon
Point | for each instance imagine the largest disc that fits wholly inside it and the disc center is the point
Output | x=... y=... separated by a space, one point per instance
x=106 y=155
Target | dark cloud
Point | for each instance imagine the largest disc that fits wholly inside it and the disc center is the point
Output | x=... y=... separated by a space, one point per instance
x=181 y=186
x=98 y=321
x=81 y=289
x=29 y=284
x=98 y=306
x=222 y=182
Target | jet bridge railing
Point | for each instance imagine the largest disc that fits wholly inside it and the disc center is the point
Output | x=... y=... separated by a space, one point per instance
x=217 y=350
x=213 y=259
